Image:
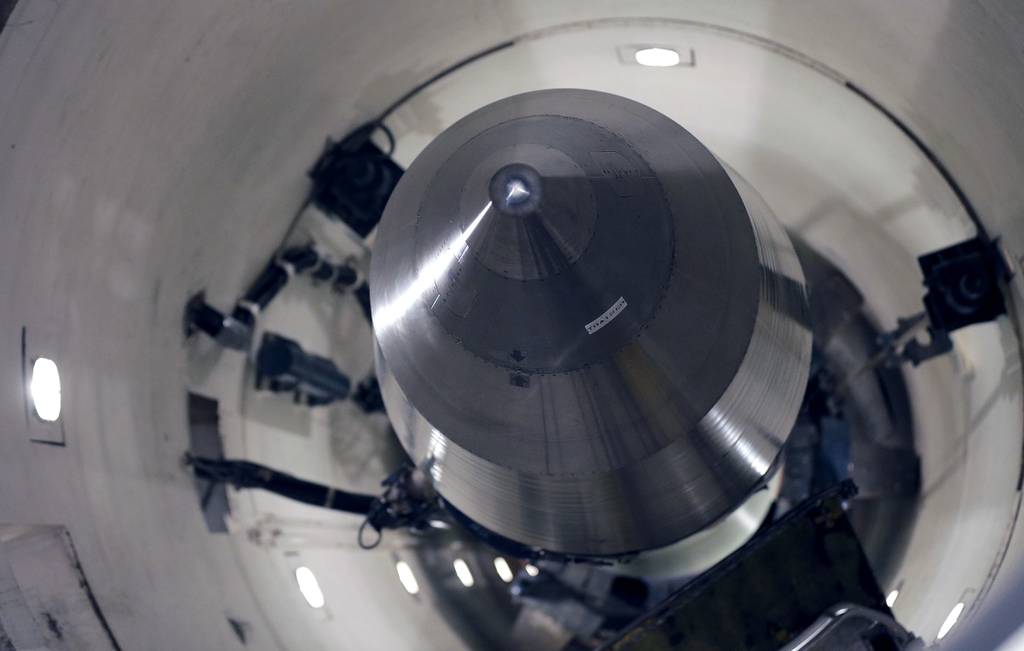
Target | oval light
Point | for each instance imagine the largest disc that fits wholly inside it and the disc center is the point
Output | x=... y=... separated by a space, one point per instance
x=951 y=618
x=501 y=566
x=310 y=587
x=890 y=599
x=462 y=571
x=407 y=578
x=657 y=57
x=44 y=388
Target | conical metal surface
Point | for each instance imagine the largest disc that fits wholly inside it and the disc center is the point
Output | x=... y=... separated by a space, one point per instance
x=590 y=333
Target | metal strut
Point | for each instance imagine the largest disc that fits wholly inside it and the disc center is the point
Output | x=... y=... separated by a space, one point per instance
x=406 y=502
x=964 y=286
x=235 y=330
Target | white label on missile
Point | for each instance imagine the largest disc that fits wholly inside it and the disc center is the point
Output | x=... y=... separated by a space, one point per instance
x=606 y=318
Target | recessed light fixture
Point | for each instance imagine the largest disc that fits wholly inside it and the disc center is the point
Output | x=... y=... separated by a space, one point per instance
x=657 y=57
x=951 y=618
x=309 y=587
x=44 y=387
x=890 y=598
x=502 y=568
x=407 y=578
x=532 y=570
x=462 y=571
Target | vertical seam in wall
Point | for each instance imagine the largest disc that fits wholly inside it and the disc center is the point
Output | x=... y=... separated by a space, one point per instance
x=87 y=589
x=24 y=371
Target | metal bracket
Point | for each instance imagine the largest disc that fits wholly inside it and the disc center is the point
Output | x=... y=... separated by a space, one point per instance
x=353 y=179
x=964 y=286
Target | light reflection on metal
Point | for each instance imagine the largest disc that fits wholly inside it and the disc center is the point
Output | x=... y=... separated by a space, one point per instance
x=429 y=275
x=517 y=191
x=435 y=456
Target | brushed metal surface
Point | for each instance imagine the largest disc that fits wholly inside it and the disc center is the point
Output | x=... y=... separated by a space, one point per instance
x=591 y=333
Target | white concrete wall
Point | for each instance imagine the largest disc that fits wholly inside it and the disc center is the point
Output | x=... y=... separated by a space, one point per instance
x=148 y=150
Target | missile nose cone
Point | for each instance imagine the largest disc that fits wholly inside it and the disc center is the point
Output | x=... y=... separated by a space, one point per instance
x=590 y=333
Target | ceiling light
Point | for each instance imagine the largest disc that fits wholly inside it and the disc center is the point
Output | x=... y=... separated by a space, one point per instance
x=657 y=57
x=407 y=578
x=951 y=618
x=532 y=570
x=309 y=587
x=462 y=571
x=890 y=598
x=503 y=570
x=44 y=388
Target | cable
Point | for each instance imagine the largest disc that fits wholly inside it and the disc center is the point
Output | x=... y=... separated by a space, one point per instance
x=361 y=536
x=293 y=224
x=390 y=136
x=437 y=77
x=248 y=475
